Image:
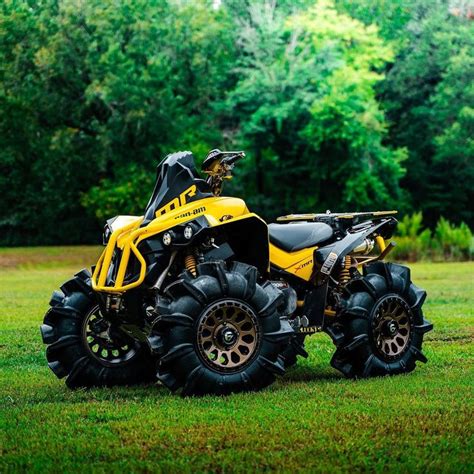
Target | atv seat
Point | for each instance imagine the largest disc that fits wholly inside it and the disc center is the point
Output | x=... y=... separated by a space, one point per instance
x=297 y=236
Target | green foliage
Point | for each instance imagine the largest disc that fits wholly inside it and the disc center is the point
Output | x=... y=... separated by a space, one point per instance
x=429 y=94
x=347 y=105
x=347 y=113
x=119 y=196
x=454 y=242
x=90 y=91
x=305 y=100
x=447 y=242
x=413 y=243
x=410 y=226
x=391 y=16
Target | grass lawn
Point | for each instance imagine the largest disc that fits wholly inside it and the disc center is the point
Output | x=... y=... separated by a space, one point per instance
x=310 y=420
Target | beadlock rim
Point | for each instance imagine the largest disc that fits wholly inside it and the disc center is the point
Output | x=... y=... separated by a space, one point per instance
x=103 y=343
x=392 y=327
x=228 y=335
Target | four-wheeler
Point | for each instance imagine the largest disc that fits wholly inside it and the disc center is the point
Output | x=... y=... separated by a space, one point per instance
x=203 y=295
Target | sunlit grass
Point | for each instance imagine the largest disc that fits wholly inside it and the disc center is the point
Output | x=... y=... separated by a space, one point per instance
x=310 y=420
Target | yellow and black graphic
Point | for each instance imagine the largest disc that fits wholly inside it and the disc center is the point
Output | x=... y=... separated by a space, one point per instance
x=299 y=263
x=179 y=201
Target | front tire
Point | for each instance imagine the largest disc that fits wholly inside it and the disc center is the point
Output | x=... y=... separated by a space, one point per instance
x=221 y=332
x=380 y=328
x=82 y=345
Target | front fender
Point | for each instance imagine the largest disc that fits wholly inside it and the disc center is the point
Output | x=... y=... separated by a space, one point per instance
x=125 y=254
x=248 y=237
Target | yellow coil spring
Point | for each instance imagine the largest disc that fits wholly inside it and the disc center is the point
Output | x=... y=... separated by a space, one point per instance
x=345 y=276
x=190 y=264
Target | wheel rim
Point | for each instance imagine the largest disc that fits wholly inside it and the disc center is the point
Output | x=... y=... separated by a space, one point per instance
x=105 y=344
x=228 y=335
x=391 y=326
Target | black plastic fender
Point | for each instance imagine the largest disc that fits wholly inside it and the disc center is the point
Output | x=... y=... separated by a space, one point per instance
x=245 y=239
x=328 y=257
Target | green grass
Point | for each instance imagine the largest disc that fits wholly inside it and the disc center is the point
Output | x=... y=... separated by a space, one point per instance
x=310 y=420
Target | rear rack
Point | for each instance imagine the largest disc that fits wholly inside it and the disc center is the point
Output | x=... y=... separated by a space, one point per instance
x=331 y=217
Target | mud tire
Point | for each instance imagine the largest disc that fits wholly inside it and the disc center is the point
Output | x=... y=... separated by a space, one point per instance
x=67 y=354
x=355 y=335
x=182 y=366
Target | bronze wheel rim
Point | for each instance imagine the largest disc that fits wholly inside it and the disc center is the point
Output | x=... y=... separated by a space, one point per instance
x=228 y=335
x=392 y=327
x=104 y=344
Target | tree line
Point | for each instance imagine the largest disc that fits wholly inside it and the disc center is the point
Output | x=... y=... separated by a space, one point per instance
x=340 y=104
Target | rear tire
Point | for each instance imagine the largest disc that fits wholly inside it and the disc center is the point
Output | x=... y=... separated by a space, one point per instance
x=381 y=326
x=87 y=358
x=221 y=332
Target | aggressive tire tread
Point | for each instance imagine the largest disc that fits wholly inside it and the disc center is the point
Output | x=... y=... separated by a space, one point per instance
x=66 y=350
x=356 y=353
x=182 y=367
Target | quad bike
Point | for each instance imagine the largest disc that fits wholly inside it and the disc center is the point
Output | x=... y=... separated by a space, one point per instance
x=203 y=295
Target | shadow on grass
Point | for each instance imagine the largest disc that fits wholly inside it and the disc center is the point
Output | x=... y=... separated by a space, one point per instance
x=309 y=373
x=54 y=391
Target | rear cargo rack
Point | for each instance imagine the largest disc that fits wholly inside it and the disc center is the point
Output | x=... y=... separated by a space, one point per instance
x=329 y=216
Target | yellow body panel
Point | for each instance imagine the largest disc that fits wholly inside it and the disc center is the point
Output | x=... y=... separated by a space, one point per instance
x=218 y=211
x=127 y=234
x=299 y=263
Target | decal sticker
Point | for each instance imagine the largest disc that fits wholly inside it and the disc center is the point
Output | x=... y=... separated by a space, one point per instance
x=303 y=265
x=310 y=329
x=329 y=263
x=178 y=201
x=194 y=212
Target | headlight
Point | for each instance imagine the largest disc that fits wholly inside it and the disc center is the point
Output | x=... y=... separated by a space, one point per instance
x=188 y=232
x=167 y=238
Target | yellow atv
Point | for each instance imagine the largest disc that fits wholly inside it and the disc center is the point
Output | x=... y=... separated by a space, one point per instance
x=205 y=296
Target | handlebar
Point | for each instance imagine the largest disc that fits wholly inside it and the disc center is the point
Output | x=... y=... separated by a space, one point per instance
x=233 y=158
x=220 y=159
x=218 y=165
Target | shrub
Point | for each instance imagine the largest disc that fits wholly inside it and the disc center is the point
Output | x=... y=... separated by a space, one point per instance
x=447 y=242
x=452 y=243
x=413 y=242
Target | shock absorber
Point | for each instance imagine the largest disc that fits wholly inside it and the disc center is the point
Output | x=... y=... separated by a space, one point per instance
x=190 y=264
x=345 y=276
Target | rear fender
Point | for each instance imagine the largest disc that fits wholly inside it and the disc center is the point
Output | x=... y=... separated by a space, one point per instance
x=328 y=257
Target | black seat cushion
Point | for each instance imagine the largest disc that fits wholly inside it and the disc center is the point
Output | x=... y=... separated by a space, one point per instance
x=292 y=237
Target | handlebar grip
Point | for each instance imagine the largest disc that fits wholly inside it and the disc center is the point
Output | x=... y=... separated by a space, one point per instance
x=232 y=159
